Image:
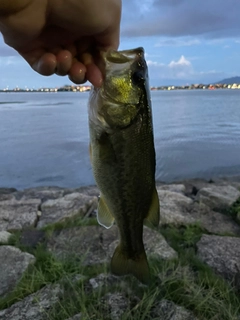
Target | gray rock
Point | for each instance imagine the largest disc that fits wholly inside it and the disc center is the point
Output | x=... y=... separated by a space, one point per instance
x=7 y=190
x=16 y=215
x=180 y=188
x=177 y=209
x=194 y=185
x=222 y=254
x=174 y=208
x=88 y=244
x=13 y=264
x=34 y=306
x=115 y=305
x=212 y=221
x=92 y=191
x=233 y=181
x=156 y=246
x=32 y=237
x=217 y=197
x=95 y=244
x=43 y=193
x=102 y=280
x=76 y=317
x=69 y=206
x=167 y=310
x=4 y=236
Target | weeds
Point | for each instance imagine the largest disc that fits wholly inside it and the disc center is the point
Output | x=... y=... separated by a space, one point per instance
x=186 y=281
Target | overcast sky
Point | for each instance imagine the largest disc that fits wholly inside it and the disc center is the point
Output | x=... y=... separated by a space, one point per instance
x=185 y=41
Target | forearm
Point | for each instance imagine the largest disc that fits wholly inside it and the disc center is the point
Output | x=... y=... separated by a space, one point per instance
x=8 y=7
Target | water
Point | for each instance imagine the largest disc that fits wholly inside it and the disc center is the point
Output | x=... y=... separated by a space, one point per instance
x=44 y=137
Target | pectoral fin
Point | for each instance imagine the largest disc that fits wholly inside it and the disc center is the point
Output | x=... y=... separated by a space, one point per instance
x=153 y=215
x=104 y=216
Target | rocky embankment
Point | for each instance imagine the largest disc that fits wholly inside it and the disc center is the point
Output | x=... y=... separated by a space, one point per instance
x=61 y=222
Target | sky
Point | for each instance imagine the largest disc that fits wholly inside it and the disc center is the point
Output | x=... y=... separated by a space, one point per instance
x=185 y=41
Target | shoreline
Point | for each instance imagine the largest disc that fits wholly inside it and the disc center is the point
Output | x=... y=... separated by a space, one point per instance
x=217 y=179
x=53 y=234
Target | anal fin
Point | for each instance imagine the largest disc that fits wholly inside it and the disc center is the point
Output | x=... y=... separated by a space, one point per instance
x=104 y=216
x=153 y=215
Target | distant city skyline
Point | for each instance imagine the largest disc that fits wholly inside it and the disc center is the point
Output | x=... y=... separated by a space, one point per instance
x=185 y=42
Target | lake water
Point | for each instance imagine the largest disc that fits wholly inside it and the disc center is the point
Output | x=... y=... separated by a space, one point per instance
x=44 y=137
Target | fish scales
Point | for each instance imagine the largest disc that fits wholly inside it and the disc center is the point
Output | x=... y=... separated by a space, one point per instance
x=123 y=157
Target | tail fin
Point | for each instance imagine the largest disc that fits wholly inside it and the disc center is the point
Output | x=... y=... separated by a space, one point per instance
x=121 y=265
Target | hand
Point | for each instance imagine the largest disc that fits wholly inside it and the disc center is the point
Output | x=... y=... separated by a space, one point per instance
x=62 y=36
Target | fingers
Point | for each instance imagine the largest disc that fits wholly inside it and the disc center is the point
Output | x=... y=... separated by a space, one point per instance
x=62 y=62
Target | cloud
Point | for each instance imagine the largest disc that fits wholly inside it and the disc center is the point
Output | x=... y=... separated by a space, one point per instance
x=179 y=69
x=179 y=72
x=174 y=18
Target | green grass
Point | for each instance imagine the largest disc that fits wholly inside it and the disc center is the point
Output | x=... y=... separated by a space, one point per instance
x=234 y=211
x=186 y=281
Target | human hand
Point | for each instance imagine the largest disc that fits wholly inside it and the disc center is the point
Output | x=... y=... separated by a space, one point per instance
x=62 y=36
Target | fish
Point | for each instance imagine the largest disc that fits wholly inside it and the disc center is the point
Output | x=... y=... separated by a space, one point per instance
x=122 y=155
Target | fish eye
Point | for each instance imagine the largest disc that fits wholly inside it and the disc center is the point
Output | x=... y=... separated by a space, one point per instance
x=137 y=77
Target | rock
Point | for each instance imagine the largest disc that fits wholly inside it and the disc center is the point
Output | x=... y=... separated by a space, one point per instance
x=194 y=185
x=180 y=188
x=92 y=191
x=13 y=264
x=114 y=305
x=217 y=197
x=16 y=215
x=7 y=193
x=177 y=209
x=212 y=221
x=222 y=254
x=174 y=208
x=156 y=246
x=167 y=310
x=87 y=243
x=7 y=190
x=95 y=244
x=32 y=237
x=4 y=236
x=42 y=193
x=102 y=280
x=69 y=206
x=34 y=306
x=233 y=181
x=76 y=317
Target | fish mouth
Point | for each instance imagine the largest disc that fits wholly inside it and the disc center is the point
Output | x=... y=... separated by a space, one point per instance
x=123 y=56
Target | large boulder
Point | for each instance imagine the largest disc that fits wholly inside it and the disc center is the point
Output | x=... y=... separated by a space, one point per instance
x=18 y=214
x=174 y=208
x=167 y=310
x=69 y=206
x=13 y=264
x=217 y=197
x=222 y=254
x=35 y=306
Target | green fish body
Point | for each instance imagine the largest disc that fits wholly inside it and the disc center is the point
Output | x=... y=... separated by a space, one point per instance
x=123 y=157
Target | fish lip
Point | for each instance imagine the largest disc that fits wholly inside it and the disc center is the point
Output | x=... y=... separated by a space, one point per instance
x=123 y=56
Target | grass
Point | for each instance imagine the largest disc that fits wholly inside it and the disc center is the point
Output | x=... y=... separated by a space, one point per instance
x=186 y=281
x=234 y=211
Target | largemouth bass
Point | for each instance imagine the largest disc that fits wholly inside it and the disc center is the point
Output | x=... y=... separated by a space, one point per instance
x=123 y=157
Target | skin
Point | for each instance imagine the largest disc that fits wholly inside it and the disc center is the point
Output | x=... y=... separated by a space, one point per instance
x=63 y=37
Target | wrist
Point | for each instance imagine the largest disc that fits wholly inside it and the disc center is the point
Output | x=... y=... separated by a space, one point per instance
x=8 y=7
